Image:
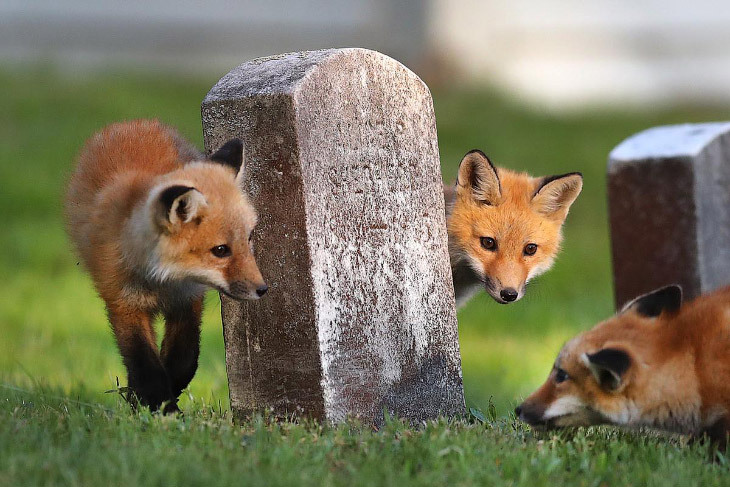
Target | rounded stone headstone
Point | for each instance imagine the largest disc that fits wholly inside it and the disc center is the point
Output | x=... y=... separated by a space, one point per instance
x=342 y=165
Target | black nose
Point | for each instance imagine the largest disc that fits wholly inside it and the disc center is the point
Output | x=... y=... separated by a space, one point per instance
x=262 y=290
x=518 y=411
x=508 y=294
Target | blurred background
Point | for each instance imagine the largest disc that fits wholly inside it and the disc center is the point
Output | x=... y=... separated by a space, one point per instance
x=559 y=52
x=545 y=86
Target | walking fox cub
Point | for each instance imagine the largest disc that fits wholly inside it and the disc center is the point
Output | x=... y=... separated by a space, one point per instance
x=155 y=224
x=504 y=227
x=657 y=363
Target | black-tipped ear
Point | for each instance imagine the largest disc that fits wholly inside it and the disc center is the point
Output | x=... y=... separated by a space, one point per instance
x=169 y=195
x=608 y=367
x=179 y=204
x=478 y=176
x=555 y=194
x=230 y=154
x=666 y=299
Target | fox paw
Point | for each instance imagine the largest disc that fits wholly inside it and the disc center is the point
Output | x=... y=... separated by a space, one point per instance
x=171 y=408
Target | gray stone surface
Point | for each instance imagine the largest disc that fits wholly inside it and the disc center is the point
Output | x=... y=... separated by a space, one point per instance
x=669 y=205
x=342 y=165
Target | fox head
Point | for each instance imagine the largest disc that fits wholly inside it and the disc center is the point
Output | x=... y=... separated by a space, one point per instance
x=507 y=226
x=201 y=224
x=620 y=372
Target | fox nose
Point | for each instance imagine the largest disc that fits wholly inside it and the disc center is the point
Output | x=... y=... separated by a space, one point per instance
x=508 y=294
x=260 y=291
x=530 y=413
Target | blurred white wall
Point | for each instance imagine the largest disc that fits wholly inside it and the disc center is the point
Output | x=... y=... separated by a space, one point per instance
x=572 y=52
x=202 y=34
x=557 y=52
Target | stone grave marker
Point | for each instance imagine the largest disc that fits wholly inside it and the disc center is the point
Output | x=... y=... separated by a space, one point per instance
x=669 y=205
x=342 y=165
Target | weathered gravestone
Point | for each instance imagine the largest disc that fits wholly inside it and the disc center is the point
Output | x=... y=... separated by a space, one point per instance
x=669 y=204
x=342 y=165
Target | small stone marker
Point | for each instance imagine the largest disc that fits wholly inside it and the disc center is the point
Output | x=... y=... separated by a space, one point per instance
x=669 y=205
x=342 y=165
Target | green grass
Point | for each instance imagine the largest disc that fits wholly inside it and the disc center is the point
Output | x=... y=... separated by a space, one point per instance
x=56 y=347
x=57 y=441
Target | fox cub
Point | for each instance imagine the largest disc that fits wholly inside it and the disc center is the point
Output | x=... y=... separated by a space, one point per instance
x=657 y=363
x=504 y=227
x=156 y=224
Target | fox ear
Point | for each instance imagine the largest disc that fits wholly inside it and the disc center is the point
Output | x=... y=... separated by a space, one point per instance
x=179 y=204
x=230 y=154
x=555 y=194
x=478 y=177
x=665 y=299
x=608 y=366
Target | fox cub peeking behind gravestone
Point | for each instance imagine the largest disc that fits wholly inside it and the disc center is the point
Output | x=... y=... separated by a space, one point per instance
x=504 y=227
x=156 y=224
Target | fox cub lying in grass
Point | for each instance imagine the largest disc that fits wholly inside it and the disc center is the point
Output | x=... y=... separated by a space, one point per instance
x=156 y=224
x=504 y=227
x=657 y=363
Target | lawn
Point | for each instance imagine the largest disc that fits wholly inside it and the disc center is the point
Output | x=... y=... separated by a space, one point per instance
x=57 y=356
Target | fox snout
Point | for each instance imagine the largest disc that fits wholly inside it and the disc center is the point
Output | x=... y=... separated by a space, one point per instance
x=509 y=294
x=503 y=294
x=243 y=277
x=530 y=413
x=241 y=290
x=245 y=280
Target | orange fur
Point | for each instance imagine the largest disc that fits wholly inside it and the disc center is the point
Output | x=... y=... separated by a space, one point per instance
x=678 y=377
x=512 y=209
x=150 y=253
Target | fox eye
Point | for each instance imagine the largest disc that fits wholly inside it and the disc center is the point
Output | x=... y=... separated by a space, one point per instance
x=488 y=243
x=221 y=251
x=530 y=249
x=560 y=376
